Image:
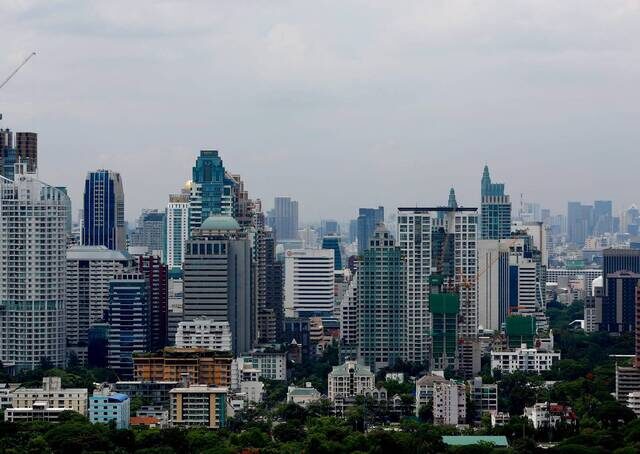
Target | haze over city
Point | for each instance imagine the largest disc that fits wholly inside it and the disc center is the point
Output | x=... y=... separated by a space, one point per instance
x=339 y=104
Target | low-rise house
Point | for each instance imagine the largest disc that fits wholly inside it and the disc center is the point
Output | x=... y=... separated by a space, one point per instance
x=549 y=415
x=303 y=396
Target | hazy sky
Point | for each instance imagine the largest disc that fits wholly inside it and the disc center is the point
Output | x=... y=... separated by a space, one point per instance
x=339 y=104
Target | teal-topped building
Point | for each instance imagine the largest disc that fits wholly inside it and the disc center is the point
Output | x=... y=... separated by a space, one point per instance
x=495 y=209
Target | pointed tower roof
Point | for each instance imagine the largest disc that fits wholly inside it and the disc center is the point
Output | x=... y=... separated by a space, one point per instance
x=452 y=199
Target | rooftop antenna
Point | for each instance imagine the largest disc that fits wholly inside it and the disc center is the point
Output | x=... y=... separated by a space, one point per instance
x=31 y=55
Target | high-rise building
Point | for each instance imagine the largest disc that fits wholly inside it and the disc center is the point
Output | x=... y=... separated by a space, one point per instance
x=103 y=222
x=150 y=231
x=177 y=230
x=207 y=187
x=349 y=320
x=204 y=333
x=309 y=282
x=495 y=209
x=615 y=301
x=493 y=283
x=129 y=321
x=380 y=309
x=353 y=231
x=438 y=242
x=157 y=275
x=24 y=149
x=33 y=245
x=334 y=243
x=602 y=217
x=367 y=220
x=285 y=218
x=579 y=222
x=270 y=285
x=89 y=271
x=217 y=278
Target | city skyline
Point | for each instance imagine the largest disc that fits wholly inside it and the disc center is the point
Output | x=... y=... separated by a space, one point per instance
x=533 y=98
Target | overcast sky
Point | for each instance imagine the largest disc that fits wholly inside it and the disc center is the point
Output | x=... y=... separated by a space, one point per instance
x=339 y=104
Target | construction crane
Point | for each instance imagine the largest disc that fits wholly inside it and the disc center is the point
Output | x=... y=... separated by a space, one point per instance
x=31 y=55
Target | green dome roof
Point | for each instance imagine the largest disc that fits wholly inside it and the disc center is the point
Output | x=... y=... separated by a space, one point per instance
x=220 y=222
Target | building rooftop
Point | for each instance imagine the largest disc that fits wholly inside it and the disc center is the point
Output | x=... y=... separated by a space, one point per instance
x=358 y=369
x=96 y=253
x=220 y=222
x=466 y=440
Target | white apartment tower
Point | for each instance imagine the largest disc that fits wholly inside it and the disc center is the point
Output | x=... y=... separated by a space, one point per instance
x=33 y=245
x=309 y=282
x=204 y=332
x=438 y=241
x=177 y=229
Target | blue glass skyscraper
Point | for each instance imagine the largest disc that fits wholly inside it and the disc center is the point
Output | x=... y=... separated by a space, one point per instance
x=333 y=242
x=495 y=213
x=208 y=187
x=103 y=221
x=368 y=219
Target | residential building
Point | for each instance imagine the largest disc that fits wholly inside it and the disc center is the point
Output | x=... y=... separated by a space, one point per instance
x=546 y=415
x=484 y=397
x=177 y=230
x=297 y=333
x=285 y=220
x=349 y=380
x=272 y=364
x=523 y=359
x=627 y=381
x=381 y=296
x=449 y=403
x=52 y=395
x=154 y=392
x=202 y=366
x=103 y=211
x=309 y=282
x=303 y=396
x=349 y=320
x=38 y=411
x=206 y=333
x=106 y=406
x=368 y=219
x=23 y=150
x=217 y=276
x=633 y=402
x=33 y=244
x=555 y=275
x=150 y=231
x=273 y=311
x=89 y=271
x=157 y=275
x=493 y=283
x=495 y=209
x=438 y=242
x=129 y=321
x=424 y=389
x=199 y=406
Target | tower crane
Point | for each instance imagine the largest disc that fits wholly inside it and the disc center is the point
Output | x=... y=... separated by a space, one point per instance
x=31 y=55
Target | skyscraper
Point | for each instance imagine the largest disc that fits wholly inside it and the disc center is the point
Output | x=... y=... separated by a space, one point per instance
x=129 y=321
x=437 y=241
x=207 y=187
x=150 y=231
x=217 y=278
x=24 y=149
x=380 y=308
x=309 y=282
x=89 y=271
x=579 y=222
x=285 y=218
x=495 y=209
x=615 y=301
x=367 y=220
x=602 y=217
x=33 y=247
x=333 y=242
x=493 y=283
x=103 y=212
x=156 y=274
x=177 y=230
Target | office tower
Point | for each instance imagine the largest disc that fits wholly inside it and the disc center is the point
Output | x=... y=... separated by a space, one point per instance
x=333 y=242
x=438 y=241
x=308 y=282
x=349 y=320
x=177 y=230
x=150 y=231
x=381 y=312
x=353 y=231
x=129 y=321
x=33 y=246
x=157 y=275
x=270 y=300
x=579 y=222
x=24 y=149
x=329 y=227
x=207 y=187
x=368 y=219
x=285 y=218
x=89 y=271
x=493 y=283
x=602 y=217
x=495 y=209
x=615 y=301
x=217 y=278
x=103 y=222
